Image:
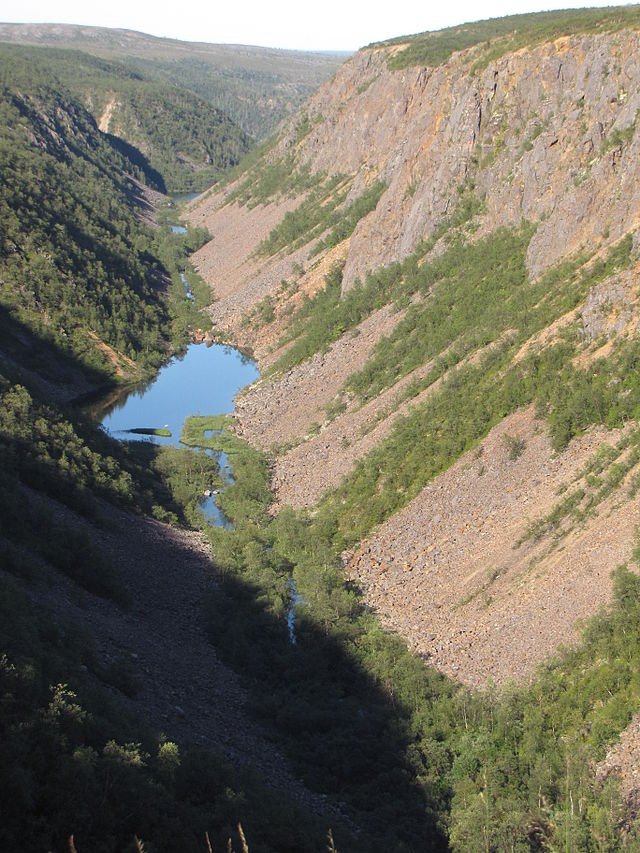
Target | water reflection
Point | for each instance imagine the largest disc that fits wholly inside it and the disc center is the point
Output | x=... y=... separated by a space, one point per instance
x=202 y=381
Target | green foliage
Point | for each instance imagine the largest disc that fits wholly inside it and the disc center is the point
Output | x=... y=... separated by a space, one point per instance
x=516 y=760
x=173 y=250
x=514 y=445
x=471 y=294
x=500 y=36
x=476 y=396
x=85 y=766
x=74 y=260
x=343 y=222
x=525 y=767
x=328 y=315
x=338 y=699
x=618 y=138
x=188 y=142
x=268 y=178
x=75 y=463
x=45 y=451
x=303 y=128
x=418 y=760
x=610 y=466
x=256 y=87
x=317 y=212
x=212 y=432
x=186 y=473
x=77 y=763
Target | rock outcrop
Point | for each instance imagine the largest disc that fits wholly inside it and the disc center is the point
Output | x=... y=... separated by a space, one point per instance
x=547 y=134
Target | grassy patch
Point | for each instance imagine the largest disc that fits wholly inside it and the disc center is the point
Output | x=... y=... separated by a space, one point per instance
x=196 y=427
x=500 y=36
x=328 y=315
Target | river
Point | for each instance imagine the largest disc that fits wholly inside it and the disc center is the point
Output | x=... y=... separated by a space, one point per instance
x=202 y=381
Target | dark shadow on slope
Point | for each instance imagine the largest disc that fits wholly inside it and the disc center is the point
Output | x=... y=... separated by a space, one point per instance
x=153 y=178
x=43 y=366
x=93 y=762
x=344 y=734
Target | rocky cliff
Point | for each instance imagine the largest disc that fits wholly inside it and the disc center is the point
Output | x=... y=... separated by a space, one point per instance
x=545 y=136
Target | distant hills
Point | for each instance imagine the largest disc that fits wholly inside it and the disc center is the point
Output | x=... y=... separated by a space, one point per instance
x=255 y=86
x=186 y=142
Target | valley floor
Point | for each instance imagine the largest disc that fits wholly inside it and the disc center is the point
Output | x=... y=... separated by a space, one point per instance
x=180 y=686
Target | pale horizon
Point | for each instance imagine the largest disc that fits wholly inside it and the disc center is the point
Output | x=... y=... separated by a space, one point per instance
x=335 y=27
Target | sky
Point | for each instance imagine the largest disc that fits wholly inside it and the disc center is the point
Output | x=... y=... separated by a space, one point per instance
x=324 y=25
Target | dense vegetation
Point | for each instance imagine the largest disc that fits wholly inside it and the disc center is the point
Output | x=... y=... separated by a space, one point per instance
x=499 y=36
x=326 y=208
x=256 y=87
x=416 y=757
x=74 y=258
x=418 y=761
x=73 y=763
x=328 y=314
x=472 y=296
x=187 y=143
x=413 y=756
x=414 y=760
x=78 y=267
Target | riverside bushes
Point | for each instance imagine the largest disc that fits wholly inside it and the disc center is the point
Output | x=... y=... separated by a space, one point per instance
x=499 y=769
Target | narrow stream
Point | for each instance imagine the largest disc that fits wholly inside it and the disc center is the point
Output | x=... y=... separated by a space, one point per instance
x=202 y=381
x=207 y=502
x=294 y=598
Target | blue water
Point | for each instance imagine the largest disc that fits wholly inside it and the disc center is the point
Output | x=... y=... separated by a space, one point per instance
x=202 y=382
x=208 y=505
x=178 y=229
x=190 y=295
x=294 y=599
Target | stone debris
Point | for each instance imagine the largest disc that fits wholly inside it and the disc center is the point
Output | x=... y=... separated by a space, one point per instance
x=276 y=411
x=446 y=572
x=535 y=132
x=183 y=691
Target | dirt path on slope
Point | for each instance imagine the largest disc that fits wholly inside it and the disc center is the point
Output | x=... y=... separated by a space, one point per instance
x=445 y=571
x=184 y=690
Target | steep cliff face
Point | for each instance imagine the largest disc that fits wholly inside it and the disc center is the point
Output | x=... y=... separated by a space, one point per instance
x=547 y=134
x=543 y=141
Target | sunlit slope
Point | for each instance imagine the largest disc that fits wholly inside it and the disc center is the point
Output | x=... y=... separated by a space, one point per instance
x=256 y=87
x=449 y=243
